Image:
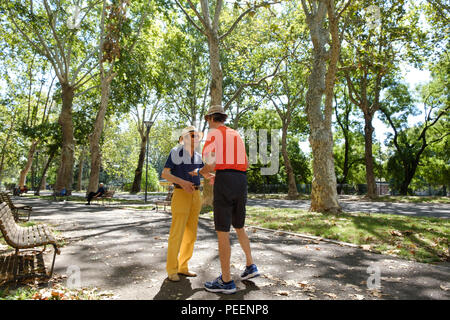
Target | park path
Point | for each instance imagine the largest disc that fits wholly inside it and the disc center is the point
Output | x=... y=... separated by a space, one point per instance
x=436 y=210
x=124 y=251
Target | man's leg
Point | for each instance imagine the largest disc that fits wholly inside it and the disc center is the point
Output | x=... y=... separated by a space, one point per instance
x=190 y=234
x=180 y=201
x=224 y=254
x=90 y=196
x=245 y=245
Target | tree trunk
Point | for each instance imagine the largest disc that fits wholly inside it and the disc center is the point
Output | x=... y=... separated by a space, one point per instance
x=216 y=70
x=80 y=169
x=24 y=171
x=321 y=82
x=136 y=187
x=6 y=144
x=323 y=194
x=65 y=170
x=94 y=138
x=346 y=162
x=292 y=186
x=44 y=173
x=370 y=175
x=216 y=98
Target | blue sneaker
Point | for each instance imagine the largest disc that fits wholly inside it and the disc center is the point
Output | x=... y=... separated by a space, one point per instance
x=219 y=286
x=250 y=272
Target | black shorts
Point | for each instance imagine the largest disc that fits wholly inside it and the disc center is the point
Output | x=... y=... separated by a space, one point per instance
x=230 y=198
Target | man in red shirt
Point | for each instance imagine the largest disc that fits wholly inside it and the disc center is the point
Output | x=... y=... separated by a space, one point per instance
x=224 y=153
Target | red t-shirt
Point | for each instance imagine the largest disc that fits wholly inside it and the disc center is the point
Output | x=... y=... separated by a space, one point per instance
x=228 y=148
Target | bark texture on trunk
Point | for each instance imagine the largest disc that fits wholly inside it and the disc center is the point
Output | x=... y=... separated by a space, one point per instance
x=44 y=173
x=292 y=186
x=94 y=138
x=65 y=172
x=80 y=169
x=30 y=157
x=216 y=98
x=320 y=91
x=324 y=194
x=216 y=69
x=136 y=187
x=368 y=156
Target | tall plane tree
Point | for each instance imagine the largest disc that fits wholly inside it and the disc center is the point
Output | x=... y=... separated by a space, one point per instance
x=209 y=26
x=326 y=45
x=374 y=36
x=69 y=46
x=113 y=24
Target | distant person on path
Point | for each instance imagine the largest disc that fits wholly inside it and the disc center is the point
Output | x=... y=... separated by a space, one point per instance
x=101 y=191
x=224 y=153
x=185 y=204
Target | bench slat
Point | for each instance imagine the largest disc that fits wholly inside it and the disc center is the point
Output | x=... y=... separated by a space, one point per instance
x=23 y=237
x=42 y=235
x=36 y=235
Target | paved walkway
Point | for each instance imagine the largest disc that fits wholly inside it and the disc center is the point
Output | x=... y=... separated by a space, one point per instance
x=410 y=209
x=436 y=210
x=124 y=251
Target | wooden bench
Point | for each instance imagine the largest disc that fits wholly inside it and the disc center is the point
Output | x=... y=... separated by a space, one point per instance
x=15 y=207
x=166 y=201
x=25 y=237
x=107 y=195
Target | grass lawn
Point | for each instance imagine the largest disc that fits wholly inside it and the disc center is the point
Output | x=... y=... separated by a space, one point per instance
x=415 y=238
x=400 y=199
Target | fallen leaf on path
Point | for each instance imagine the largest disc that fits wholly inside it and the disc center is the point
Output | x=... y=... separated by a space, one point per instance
x=390 y=279
x=396 y=233
x=444 y=287
x=353 y=287
x=331 y=295
x=303 y=283
x=376 y=293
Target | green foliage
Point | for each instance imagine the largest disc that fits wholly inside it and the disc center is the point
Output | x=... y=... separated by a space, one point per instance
x=414 y=238
x=411 y=145
x=169 y=66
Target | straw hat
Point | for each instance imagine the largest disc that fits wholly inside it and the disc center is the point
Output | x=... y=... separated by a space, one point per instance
x=215 y=109
x=190 y=129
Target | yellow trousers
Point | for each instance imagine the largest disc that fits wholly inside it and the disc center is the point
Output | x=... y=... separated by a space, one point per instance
x=183 y=231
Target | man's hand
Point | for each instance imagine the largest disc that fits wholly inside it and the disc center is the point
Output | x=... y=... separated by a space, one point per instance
x=193 y=173
x=207 y=175
x=187 y=186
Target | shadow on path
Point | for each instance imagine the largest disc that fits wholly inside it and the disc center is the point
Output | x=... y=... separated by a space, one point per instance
x=180 y=290
x=183 y=290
